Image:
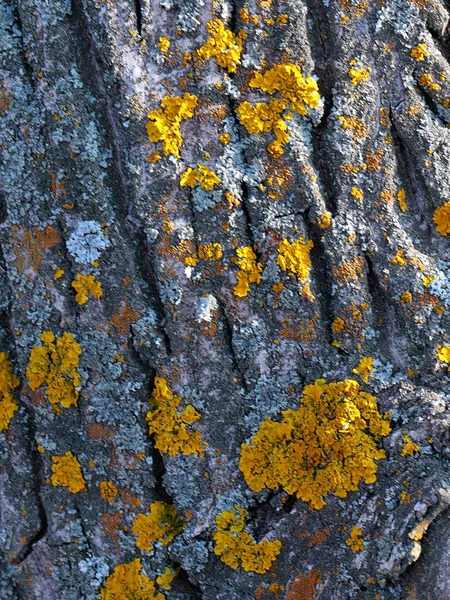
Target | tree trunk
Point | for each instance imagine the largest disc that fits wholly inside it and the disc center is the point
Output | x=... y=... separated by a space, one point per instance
x=211 y=215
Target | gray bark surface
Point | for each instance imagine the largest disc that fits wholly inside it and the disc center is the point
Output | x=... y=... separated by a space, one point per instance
x=77 y=80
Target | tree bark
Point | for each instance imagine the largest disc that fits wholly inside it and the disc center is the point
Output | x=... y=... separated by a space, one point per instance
x=183 y=293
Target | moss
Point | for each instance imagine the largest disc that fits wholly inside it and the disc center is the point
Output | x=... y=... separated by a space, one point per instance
x=223 y=45
x=128 y=582
x=201 y=175
x=66 y=472
x=236 y=547
x=55 y=365
x=164 y=124
x=161 y=525
x=83 y=284
x=169 y=425
x=328 y=445
x=8 y=381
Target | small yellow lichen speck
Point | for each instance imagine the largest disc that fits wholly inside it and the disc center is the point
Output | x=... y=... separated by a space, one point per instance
x=58 y=273
x=364 y=368
x=66 y=471
x=357 y=193
x=224 y=138
x=249 y=271
x=355 y=541
x=166 y=579
x=326 y=446
x=169 y=425
x=293 y=257
x=55 y=365
x=409 y=447
x=210 y=252
x=324 y=220
x=359 y=75
x=443 y=353
x=164 y=125
x=108 y=491
x=236 y=547
x=222 y=45
x=8 y=381
x=128 y=582
x=202 y=175
x=162 y=525
x=84 y=284
x=420 y=52
x=164 y=44
x=441 y=218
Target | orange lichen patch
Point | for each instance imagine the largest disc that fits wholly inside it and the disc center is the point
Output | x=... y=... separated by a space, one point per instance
x=400 y=258
x=108 y=491
x=249 y=271
x=202 y=175
x=293 y=257
x=8 y=381
x=406 y=297
x=129 y=499
x=355 y=541
x=338 y=325
x=297 y=93
x=29 y=247
x=420 y=52
x=374 y=160
x=4 y=99
x=304 y=586
x=304 y=330
x=441 y=218
x=66 y=471
x=161 y=525
x=84 y=284
x=236 y=547
x=357 y=9
x=224 y=138
x=128 y=582
x=326 y=446
x=324 y=220
x=164 y=125
x=358 y=76
x=223 y=45
x=431 y=300
x=97 y=431
x=55 y=365
x=318 y=538
x=346 y=271
x=122 y=319
x=355 y=125
x=210 y=252
x=364 y=368
x=168 y=425
x=409 y=447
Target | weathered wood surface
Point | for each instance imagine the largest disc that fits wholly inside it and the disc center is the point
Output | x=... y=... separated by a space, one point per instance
x=83 y=191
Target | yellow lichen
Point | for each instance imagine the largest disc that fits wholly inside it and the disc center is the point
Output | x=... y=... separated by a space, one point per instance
x=162 y=525
x=359 y=75
x=55 y=365
x=8 y=381
x=66 y=471
x=364 y=368
x=84 y=284
x=202 y=175
x=127 y=582
x=238 y=548
x=324 y=220
x=166 y=579
x=406 y=297
x=355 y=541
x=443 y=353
x=164 y=125
x=108 y=491
x=420 y=52
x=168 y=425
x=409 y=447
x=249 y=271
x=58 y=273
x=224 y=138
x=223 y=45
x=210 y=252
x=326 y=446
x=442 y=219
x=297 y=93
x=164 y=44
x=293 y=257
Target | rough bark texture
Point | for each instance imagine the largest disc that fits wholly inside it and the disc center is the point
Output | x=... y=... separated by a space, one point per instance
x=361 y=177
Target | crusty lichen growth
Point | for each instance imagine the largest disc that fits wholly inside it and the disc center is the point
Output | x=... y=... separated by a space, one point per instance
x=420 y=52
x=441 y=218
x=364 y=368
x=249 y=270
x=83 y=284
x=169 y=426
x=355 y=541
x=293 y=257
x=201 y=175
x=164 y=125
x=210 y=252
x=297 y=93
x=128 y=582
x=66 y=471
x=108 y=491
x=358 y=76
x=443 y=353
x=55 y=365
x=162 y=525
x=409 y=447
x=223 y=45
x=8 y=381
x=326 y=446
x=238 y=548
